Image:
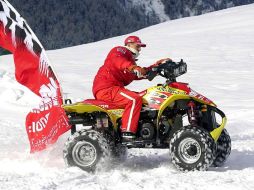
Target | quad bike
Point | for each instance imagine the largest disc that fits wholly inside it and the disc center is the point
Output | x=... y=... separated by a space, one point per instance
x=173 y=116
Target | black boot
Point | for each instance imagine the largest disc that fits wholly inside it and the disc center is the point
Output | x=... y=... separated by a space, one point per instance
x=128 y=137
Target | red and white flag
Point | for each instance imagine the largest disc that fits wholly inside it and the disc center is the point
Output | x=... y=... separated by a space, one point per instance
x=32 y=69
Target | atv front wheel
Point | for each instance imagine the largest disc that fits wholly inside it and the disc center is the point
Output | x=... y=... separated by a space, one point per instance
x=85 y=149
x=223 y=149
x=192 y=148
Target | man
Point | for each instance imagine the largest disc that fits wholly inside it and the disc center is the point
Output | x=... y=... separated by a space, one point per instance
x=119 y=70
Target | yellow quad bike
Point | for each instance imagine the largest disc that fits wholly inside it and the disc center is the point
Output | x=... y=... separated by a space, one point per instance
x=173 y=116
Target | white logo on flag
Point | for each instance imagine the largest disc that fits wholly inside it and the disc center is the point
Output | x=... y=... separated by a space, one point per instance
x=48 y=93
x=39 y=125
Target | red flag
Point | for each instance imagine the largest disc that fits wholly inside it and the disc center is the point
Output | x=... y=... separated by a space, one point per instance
x=32 y=69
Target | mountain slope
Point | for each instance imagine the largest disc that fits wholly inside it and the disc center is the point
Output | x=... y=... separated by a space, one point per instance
x=218 y=48
x=66 y=23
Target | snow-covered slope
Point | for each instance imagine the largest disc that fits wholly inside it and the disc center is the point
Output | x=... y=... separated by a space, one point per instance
x=218 y=48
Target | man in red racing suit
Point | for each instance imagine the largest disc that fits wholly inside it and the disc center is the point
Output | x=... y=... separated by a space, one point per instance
x=119 y=70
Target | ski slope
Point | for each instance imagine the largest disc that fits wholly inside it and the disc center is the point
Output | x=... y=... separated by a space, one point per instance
x=219 y=50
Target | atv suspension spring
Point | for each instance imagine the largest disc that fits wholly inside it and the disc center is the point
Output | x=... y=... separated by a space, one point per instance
x=193 y=113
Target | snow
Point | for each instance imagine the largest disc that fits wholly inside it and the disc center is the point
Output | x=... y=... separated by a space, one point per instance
x=218 y=48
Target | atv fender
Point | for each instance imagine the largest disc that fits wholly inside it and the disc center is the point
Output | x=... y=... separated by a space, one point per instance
x=215 y=133
x=89 y=108
x=169 y=102
x=83 y=108
x=176 y=97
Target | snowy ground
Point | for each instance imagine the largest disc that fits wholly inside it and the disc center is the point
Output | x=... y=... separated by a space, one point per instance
x=218 y=48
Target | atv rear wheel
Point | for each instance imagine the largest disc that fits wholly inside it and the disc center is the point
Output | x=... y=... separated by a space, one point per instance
x=223 y=149
x=192 y=148
x=86 y=149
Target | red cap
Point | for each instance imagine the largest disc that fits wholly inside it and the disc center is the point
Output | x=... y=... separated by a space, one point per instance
x=134 y=39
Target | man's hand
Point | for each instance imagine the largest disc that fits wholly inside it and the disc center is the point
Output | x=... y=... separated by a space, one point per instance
x=161 y=61
x=138 y=71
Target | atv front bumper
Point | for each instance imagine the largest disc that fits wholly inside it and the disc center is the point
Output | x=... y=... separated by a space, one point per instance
x=217 y=131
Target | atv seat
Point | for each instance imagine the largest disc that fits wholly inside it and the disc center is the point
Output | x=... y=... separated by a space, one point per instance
x=108 y=105
x=103 y=104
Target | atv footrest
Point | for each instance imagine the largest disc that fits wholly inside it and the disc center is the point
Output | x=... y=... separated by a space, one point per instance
x=139 y=144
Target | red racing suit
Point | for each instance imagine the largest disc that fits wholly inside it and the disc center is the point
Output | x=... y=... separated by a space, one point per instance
x=109 y=85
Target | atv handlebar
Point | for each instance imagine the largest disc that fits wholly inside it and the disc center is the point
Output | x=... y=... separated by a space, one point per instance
x=169 y=70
